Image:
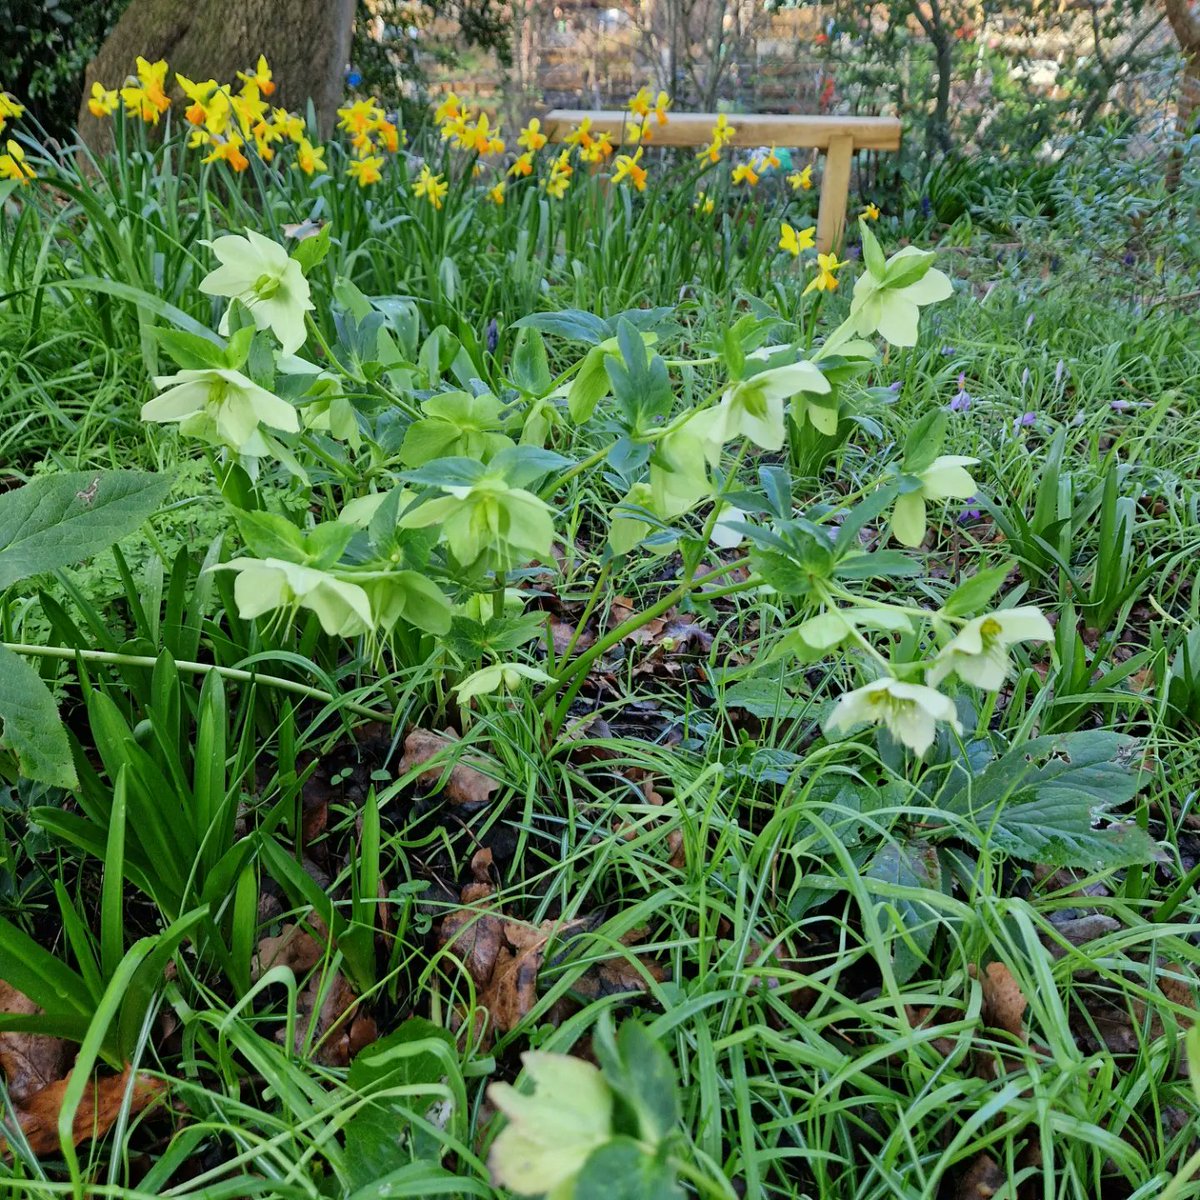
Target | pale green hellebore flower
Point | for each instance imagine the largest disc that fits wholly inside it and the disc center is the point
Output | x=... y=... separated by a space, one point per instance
x=679 y=466
x=909 y=711
x=500 y=677
x=944 y=479
x=893 y=310
x=816 y=637
x=552 y=1131
x=627 y=529
x=754 y=408
x=259 y=273
x=978 y=653
x=488 y=521
x=264 y=585
x=221 y=399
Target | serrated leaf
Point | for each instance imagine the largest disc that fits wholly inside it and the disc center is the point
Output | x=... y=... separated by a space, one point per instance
x=63 y=518
x=1044 y=799
x=30 y=725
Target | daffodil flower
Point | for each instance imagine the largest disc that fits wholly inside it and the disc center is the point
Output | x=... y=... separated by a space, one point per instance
x=553 y=1130
x=14 y=166
x=627 y=167
x=220 y=402
x=309 y=158
x=267 y=584
x=430 y=186
x=870 y=212
x=801 y=180
x=909 y=711
x=500 y=677
x=978 y=653
x=754 y=408
x=888 y=297
x=946 y=478
x=101 y=103
x=366 y=171
x=531 y=137
x=259 y=273
x=794 y=240
x=825 y=279
x=9 y=108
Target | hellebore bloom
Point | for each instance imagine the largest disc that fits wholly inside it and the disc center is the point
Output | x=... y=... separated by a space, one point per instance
x=978 y=653
x=221 y=401
x=909 y=711
x=259 y=273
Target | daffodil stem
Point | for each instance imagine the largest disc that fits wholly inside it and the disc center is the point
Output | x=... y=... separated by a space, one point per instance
x=198 y=668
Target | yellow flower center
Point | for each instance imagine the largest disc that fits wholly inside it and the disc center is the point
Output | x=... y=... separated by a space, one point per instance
x=990 y=628
x=265 y=286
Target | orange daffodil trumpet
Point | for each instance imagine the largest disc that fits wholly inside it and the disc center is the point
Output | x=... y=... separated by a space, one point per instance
x=628 y=167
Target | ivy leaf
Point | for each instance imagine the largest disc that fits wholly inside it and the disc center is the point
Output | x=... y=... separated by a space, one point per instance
x=32 y=728
x=63 y=518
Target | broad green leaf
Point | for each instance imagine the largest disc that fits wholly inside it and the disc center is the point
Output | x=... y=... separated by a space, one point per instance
x=1042 y=802
x=63 y=518
x=589 y=386
x=973 y=594
x=622 y=1170
x=530 y=367
x=913 y=865
x=30 y=725
x=571 y=323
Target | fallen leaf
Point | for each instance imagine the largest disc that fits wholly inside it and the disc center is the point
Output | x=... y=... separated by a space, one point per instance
x=983 y=1179
x=464 y=785
x=30 y=1061
x=295 y=946
x=341 y=1028
x=1004 y=1003
x=99 y=1108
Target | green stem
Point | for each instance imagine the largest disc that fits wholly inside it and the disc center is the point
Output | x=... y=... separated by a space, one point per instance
x=198 y=668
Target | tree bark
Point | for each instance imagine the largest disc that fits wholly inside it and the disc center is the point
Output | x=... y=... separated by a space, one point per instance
x=307 y=43
x=1185 y=22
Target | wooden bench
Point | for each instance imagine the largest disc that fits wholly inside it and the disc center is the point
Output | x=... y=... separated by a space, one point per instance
x=837 y=137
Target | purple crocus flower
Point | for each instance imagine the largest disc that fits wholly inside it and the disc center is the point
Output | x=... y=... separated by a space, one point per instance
x=970 y=513
x=1059 y=372
x=1025 y=420
x=948 y=352
x=961 y=400
x=895 y=386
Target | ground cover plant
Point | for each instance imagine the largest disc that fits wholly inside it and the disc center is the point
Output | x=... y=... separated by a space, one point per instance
x=521 y=678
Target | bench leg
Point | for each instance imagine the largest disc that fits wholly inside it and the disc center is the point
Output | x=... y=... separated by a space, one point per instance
x=835 y=192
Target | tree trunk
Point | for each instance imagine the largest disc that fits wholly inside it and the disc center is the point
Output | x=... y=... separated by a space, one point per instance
x=1186 y=25
x=307 y=43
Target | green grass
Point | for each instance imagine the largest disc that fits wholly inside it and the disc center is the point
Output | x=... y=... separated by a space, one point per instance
x=804 y=924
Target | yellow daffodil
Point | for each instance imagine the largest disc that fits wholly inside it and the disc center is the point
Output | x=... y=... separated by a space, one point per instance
x=560 y=176
x=639 y=105
x=198 y=93
x=431 y=187
x=360 y=117
x=581 y=135
x=14 y=166
x=600 y=149
x=9 y=108
x=249 y=108
x=448 y=110
x=870 y=212
x=101 y=103
x=496 y=192
x=746 y=173
x=628 y=167
x=365 y=171
x=483 y=139
x=531 y=137
x=389 y=135
x=309 y=158
x=147 y=99
x=290 y=125
x=703 y=203
x=228 y=150
x=523 y=164
x=793 y=241
x=661 y=103
x=801 y=181
x=771 y=160
x=260 y=77
x=825 y=279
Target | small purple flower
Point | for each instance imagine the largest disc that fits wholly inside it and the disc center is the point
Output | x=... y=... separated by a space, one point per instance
x=1025 y=420
x=1059 y=372
x=1025 y=378
x=1029 y=321
x=1129 y=258
x=961 y=400
x=948 y=352
x=354 y=77
x=1120 y=405
x=970 y=513
x=854 y=253
x=493 y=336
x=895 y=386
x=926 y=206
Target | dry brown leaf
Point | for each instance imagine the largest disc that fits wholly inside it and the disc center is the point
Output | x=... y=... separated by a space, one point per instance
x=618 y=977
x=99 y=1108
x=983 y=1179
x=341 y=1029
x=1004 y=1003
x=30 y=1061
x=295 y=947
x=466 y=785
